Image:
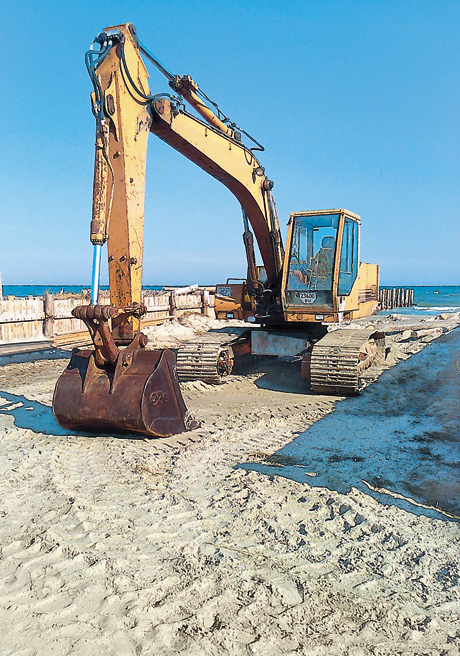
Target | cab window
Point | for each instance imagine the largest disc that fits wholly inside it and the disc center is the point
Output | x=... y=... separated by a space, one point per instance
x=311 y=265
x=348 y=258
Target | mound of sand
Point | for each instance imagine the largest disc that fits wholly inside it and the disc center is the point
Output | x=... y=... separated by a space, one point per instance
x=174 y=333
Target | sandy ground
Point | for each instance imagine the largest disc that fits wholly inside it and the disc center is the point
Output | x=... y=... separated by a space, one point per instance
x=134 y=546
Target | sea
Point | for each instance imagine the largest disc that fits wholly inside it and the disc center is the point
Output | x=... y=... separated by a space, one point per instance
x=427 y=300
x=430 y=300
x=39 y=290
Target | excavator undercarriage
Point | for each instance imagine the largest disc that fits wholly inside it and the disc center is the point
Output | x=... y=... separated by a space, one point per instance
x=339 y=359
x=333 y=364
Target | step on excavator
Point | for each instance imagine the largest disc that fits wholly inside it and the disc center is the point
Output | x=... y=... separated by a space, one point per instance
x=288 y=301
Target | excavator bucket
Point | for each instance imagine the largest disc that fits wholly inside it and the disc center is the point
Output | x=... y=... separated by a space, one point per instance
x=137 y=391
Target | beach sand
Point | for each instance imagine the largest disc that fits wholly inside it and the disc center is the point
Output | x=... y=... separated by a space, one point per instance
x=117 y=546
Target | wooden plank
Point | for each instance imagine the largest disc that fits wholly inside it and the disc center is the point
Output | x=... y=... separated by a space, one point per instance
x=27 y=319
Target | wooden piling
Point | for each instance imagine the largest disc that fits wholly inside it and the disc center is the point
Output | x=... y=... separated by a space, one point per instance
x=395 y=297
x=48 y=323
x=204 y=301
x=172 y=303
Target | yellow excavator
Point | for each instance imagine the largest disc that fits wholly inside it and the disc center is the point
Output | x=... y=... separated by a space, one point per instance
x=290 y=298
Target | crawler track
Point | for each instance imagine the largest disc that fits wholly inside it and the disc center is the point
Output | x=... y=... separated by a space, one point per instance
x=208 y=357
x=340 y=357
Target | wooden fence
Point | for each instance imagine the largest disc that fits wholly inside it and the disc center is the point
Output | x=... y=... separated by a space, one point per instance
x=43 y=318
x=396 y=297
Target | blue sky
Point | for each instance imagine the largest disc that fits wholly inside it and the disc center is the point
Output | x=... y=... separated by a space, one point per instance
x=356 y=102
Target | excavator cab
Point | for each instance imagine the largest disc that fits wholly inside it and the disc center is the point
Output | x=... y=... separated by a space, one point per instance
x=321 y=264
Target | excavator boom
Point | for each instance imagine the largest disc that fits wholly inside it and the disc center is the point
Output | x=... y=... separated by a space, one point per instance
x=235 y=166
x=125 y=111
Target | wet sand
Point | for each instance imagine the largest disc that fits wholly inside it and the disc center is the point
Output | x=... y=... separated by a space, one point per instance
x=112 y=545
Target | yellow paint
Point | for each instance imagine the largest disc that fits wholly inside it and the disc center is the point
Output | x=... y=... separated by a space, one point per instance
x=363 y=298
x=120 y=167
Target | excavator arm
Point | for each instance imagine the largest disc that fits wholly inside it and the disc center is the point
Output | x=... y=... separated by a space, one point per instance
x=125 y=111
x=123 y=120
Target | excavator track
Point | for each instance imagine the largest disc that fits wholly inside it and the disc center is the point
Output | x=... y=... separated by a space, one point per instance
x=339 y=358
x=208 y=358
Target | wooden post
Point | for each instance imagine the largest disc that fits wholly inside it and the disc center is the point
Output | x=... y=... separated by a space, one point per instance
x=204 y=302
x=172 y=304
x=48 y=324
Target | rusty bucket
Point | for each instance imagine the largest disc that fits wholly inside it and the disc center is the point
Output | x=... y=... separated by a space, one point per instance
x=139 y=393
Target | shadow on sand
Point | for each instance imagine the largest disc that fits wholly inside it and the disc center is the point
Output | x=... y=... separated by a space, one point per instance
x=39 y=418
x=278 y=374
x=399 y=440
x=31 y=415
